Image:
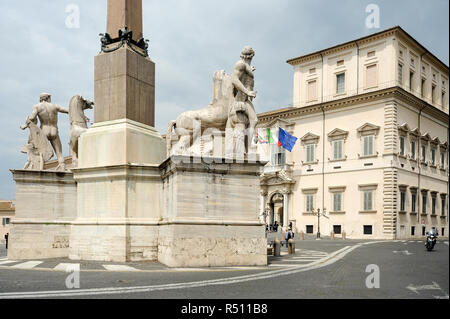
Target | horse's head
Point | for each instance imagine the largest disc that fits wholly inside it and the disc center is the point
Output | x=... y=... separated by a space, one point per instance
x=87 y=104
x=77 y=106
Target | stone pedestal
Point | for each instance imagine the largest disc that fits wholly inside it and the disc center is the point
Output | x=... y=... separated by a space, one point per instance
x=45 y=207
x=212 y=214
x=119 y=193
x=124 y=87
x=120 y=142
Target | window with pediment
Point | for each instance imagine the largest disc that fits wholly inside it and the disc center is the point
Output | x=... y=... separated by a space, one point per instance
x=368 y=133
x=337 y=138
x=310 y=142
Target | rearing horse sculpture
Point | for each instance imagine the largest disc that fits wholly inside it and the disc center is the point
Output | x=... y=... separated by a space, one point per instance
x=213 y=116
x=78 y=123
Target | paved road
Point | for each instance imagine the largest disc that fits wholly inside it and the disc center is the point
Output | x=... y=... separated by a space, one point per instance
x=320 y=269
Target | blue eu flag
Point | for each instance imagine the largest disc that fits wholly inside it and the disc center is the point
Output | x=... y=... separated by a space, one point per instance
x=286 y=140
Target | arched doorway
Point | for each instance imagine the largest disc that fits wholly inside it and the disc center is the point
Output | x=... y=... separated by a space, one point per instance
x=280 y=218
x=277 y=209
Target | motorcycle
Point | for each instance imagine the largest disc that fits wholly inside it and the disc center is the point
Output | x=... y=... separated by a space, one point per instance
x=431 y=240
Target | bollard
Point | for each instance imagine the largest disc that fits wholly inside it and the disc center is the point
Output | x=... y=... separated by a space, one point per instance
x=332 y=236
x=291 y=247
x=302 y=236
x=277 y=248
x=344 y=236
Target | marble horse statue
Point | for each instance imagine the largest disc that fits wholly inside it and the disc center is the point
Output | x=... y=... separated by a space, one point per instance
x=78 y=123
x=231 y=107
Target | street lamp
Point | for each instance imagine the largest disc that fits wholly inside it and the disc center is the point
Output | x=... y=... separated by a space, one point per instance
x=319 y=214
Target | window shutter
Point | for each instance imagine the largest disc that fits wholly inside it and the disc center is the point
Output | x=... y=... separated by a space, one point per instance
x=312 y=90
x=340 y=85
x=337 y=202
x=368 y=201
x=366 y=146
x=335 y=150
x=371 y=152
x=371 y=74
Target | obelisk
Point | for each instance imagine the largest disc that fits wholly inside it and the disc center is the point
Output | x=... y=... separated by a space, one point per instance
x=123 y=13
x=124 y=75
x=118 y=177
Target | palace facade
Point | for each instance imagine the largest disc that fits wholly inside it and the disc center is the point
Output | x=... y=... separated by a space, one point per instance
x=372 y=118
x=7 y=213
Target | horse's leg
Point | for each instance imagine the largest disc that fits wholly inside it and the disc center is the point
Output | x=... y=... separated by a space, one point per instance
x=75 y=152
x=183 y=143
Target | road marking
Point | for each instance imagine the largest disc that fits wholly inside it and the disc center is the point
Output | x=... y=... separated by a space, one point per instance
x=333 y=257
x=7 y=262
x=27 y=265
x=305 y=258
x=416 y=289
x=446 y=242
x=405 y=252
x=282 y=265
x=64 y=267
x=119 y=268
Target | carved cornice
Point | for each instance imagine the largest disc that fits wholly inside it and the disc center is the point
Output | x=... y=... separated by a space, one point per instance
x=342 y=47
x=369 y=129
x=426 y=137
x=394 y=92
x=338 y=133
x=279 y=178
x=310 y=138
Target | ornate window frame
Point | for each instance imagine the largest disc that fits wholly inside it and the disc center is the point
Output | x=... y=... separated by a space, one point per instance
x=338 y=135
x=310 y=139
x=368 y=129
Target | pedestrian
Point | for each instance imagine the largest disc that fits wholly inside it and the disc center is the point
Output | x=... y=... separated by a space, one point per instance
x=275 y=227
x=6 y=239
x=290 y=226
x=287 y=236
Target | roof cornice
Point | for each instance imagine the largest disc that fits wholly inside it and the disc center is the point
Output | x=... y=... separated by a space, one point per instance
x=392 y=92
x=394 y=31
x=342 y=47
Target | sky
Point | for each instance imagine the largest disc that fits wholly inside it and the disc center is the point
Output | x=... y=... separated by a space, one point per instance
x=44 y=48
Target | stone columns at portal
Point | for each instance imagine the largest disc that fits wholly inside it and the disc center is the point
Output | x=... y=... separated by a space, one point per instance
x=285 y=209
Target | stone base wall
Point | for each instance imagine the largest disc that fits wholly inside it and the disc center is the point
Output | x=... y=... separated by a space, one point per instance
x=212 y=214
x=212 y=246
x=45 y=207
x=117 y=242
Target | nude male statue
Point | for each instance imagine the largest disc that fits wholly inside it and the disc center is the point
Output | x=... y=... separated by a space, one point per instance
x=48 y=117
x=243 y=81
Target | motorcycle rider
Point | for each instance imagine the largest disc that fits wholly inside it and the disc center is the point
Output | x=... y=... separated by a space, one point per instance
x=432 y=237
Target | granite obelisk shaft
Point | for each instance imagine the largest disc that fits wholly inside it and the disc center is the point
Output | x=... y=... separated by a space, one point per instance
x=124 y=79
x=123 y=13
